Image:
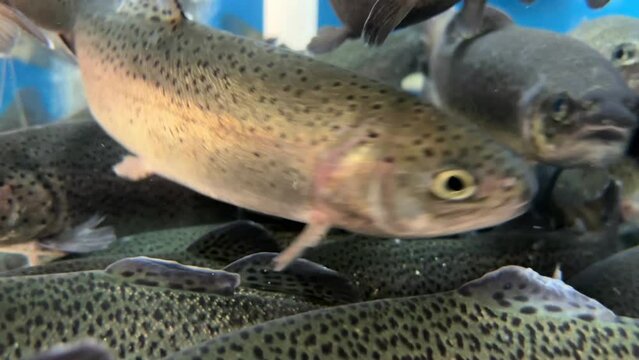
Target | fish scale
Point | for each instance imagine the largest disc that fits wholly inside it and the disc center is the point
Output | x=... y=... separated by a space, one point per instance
x=274 y=131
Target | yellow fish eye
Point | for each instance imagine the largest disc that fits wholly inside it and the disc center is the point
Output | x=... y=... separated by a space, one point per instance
x=454 y=185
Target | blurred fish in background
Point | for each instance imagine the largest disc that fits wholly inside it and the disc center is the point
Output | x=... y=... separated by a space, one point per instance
x=29 y=52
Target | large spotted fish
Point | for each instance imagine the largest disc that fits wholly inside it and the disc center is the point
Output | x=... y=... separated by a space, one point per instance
x=511 y=313
x=270 y=130
x=147 y=308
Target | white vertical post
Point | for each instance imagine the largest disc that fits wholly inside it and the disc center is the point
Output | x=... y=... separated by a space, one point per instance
x=292 y=22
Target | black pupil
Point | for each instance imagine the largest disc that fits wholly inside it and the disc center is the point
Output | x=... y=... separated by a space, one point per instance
x=619 y=53
x=455 y=184
x=559 y=105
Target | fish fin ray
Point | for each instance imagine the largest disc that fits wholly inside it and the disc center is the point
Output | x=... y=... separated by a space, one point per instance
x=232 y=241
x=522 y=290
x=162 y=10
x=169 y=274
x=12 y=23
x=83 y=238
x=383 y=18
x=301 y=277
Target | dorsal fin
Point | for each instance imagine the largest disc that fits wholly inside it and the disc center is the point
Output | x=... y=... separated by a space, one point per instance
x=155 y=10
x=521 y=290
x=147 y=271
x=82 y=350
x=233 y=241
x=303 y=278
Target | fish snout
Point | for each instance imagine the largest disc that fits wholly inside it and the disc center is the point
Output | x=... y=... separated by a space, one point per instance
x=612 y=118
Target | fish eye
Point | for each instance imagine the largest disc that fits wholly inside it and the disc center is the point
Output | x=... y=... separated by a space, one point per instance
x=560 y=108
x=454 y=185
x=624 y=52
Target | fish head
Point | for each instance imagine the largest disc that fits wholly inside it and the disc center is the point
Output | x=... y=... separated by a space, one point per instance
x=463 y=185
x=591 y=128
x=625 y=56
x=26 y=206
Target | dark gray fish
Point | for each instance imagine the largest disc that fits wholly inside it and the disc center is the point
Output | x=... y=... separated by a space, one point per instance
x=134 y=320
x=548 y=96
x=81 y=350
x=511 y=313
x=616 y=38
x=57 y=186
x=374 y=20
x=613 y=281
x=400 y=55
x=391 y=268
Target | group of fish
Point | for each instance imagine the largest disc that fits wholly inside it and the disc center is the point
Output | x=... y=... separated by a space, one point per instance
x=224 y=197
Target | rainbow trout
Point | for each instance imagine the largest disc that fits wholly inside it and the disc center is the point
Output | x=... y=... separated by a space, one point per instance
x=617 y=39
x=548 y=96
x=511 y=313
x=270 y=130
x=56 y=185
x=139 y=311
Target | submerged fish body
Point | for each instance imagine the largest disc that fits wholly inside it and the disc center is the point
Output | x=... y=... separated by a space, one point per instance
x=613 y=281
x=509 y=313
x=394 y=268
x=545 y=95
x=617 y=39
x=278 y=132
x=382 y=268
x=135 y=317
x=400 y=55
x=55 y=178
x=203 y=245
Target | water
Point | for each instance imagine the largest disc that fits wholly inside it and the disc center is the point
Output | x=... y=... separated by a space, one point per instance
x=401 y=203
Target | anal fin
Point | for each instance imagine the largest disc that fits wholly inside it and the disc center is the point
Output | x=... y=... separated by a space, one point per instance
x=154 y=10
x=301 y=278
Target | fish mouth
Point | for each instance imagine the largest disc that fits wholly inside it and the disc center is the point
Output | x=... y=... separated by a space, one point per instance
x=605 y=133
